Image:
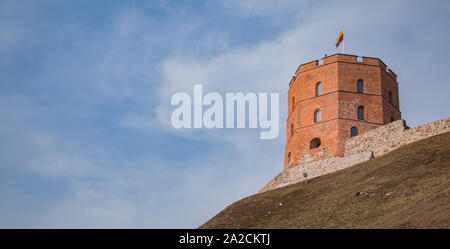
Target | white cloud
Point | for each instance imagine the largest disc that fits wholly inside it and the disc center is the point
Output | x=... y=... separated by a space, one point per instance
x=57 y=164
x=267 y=8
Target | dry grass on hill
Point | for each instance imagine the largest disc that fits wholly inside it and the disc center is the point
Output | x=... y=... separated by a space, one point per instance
x=407 y=188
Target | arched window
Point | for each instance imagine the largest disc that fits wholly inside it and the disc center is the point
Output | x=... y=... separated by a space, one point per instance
x=289 y=157
x=390 y=96
x=293 y=102
x=353 y=132
x=319 y=89
x=392 y=119
x=317 y=116
x=292 y=130
x=360 y=86
x=361 y=112
x=315 y=143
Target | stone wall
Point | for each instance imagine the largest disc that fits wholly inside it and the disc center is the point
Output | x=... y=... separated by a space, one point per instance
x=358 y=149
x=392 y=136
x=314 y=169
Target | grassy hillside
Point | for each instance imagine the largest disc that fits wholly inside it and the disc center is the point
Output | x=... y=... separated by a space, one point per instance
x=407 y=188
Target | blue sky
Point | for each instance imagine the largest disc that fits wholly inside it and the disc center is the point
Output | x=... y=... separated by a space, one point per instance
x=85 y=88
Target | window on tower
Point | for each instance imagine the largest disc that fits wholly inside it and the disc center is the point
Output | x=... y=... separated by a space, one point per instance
x=315 y=143
x=390 y=96
x=319 y=89
x=361 y=113
x=360 y=86
x=293 y=102
x=317 y=116
x=292 y=130
x=353 y=132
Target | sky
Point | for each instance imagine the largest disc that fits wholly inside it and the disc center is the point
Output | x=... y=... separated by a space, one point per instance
x=85 y=91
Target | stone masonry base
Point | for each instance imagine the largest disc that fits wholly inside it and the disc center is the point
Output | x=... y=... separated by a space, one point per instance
x=359 y=149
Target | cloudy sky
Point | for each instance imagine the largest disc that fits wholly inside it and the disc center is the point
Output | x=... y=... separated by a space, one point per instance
x=85 y=89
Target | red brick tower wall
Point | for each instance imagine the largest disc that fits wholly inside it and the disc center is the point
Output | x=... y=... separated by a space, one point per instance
x=338 y=103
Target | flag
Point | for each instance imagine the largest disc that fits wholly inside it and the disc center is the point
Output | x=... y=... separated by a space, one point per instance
x=340 y=38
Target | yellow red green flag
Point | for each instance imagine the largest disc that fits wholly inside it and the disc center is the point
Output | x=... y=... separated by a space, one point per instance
x=340 y=38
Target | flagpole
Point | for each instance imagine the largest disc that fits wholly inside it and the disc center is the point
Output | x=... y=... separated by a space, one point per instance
x=343 y=41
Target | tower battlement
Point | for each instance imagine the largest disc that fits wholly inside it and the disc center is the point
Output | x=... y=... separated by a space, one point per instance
x=346 y=58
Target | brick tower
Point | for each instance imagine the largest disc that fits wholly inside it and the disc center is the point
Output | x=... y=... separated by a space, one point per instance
x=333 y=99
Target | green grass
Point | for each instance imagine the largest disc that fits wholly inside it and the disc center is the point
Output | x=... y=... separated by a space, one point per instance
x=407 y=188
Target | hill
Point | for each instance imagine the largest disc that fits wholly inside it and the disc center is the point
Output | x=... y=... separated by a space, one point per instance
x=406 y=188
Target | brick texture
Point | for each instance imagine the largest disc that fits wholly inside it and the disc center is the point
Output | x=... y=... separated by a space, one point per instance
x=338 y=75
